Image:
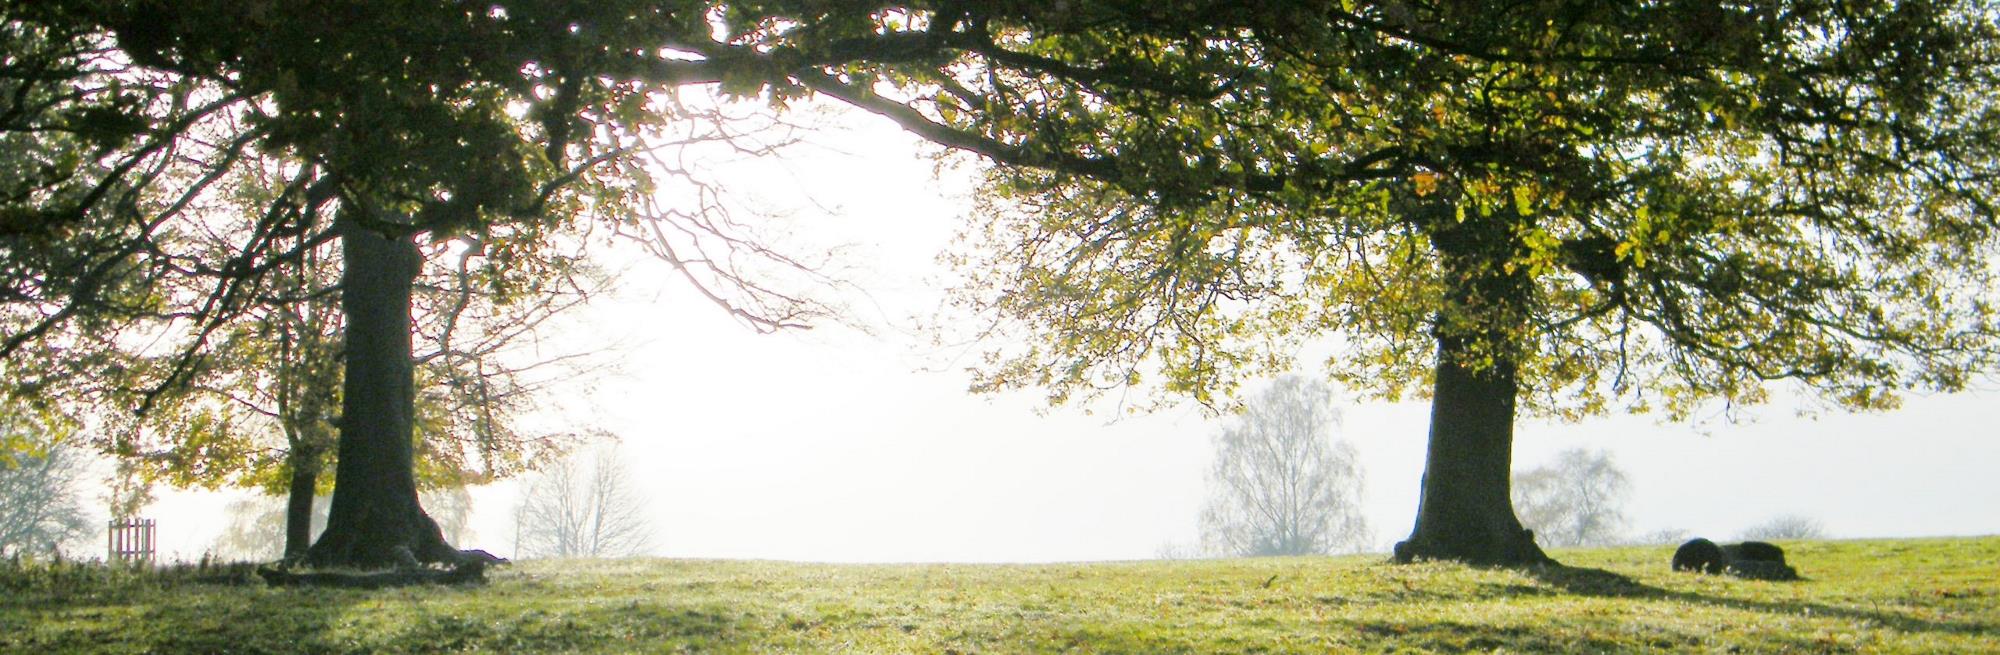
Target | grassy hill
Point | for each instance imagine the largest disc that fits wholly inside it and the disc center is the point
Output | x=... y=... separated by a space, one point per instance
x=1901 y=596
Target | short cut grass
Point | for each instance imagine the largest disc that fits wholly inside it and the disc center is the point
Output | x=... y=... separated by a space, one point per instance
x=1901 y=596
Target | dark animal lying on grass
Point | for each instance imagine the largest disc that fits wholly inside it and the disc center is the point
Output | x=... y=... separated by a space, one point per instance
x=1754 y=560
x=1699 y=555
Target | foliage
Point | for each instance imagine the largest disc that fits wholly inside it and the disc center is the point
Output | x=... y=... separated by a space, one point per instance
x=26 y=433
x=583 y=509
x=41 y=514
x=228 y=335
x=507 y=131
x=1282 y=483
x=1638 y=206
x=1577 y=500
x=1905 y=596
x=266 y=397
x=1787 y=527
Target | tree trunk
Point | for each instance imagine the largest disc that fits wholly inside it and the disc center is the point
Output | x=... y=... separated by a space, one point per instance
x=1466 y=511
x=299 y=501
x=375 y=519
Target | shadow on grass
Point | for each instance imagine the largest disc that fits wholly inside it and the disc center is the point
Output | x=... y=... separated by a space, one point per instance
x=627 y=627
x=236 y=613
x=176 y=609
x=1584 y=581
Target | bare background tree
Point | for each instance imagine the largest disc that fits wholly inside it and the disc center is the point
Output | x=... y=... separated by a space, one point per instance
x=40 y=512
x=1577 y=500
x=583 y=506
x=1659 y=537
x=1281 y=483
x=1788 y=526
x=1177 y=550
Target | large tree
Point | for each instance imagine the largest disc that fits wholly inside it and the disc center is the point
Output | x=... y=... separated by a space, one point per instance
x=502 y=127
x=1549 y=206
x=260 y=408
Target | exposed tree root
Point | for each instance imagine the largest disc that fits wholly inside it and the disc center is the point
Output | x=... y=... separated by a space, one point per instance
x=469 y=569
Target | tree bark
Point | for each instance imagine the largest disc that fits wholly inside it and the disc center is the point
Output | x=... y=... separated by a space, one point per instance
x=299 y=501
x=375 y=519
x=1466 y=510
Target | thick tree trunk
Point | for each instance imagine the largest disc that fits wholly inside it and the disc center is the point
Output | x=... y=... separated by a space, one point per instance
x=375 y=519
x=299 y=502
x=1466 y=512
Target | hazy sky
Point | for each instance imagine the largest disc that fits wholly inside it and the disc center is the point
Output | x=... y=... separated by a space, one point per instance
x=835 y=445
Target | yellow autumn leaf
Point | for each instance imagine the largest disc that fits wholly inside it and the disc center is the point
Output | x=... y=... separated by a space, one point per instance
x=1426 y=183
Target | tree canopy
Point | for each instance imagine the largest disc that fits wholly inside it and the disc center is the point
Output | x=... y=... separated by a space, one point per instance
x=165 y=167
x=1684 y=202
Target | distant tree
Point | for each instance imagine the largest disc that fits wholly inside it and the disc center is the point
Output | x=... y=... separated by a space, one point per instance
x=40 y=510
x=1789 y=526
x=1176 y=550
x=452 y=507
x=582 y=509
x=1281 y=483
x=256 y=520
x=1575 y=501
x=1660 y=536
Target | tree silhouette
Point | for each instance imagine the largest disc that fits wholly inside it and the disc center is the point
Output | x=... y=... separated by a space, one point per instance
x=582 y=509
x=1577 y=500
x=1282 y=484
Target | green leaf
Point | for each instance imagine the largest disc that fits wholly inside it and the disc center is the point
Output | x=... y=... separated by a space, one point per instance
x=1524 y=201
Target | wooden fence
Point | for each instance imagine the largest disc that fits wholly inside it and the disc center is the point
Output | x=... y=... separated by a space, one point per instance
x=130 y=540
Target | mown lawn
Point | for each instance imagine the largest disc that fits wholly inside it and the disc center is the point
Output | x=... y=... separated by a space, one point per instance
x=1897 y=596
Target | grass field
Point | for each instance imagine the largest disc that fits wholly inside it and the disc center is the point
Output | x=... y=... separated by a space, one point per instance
x=1900 y=596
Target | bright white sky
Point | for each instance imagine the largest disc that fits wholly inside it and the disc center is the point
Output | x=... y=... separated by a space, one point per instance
x=833 y=445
